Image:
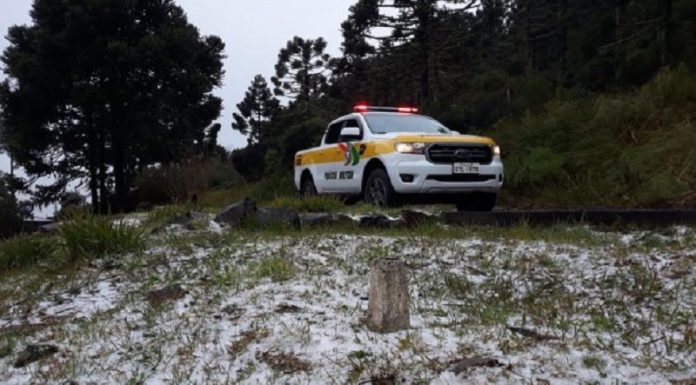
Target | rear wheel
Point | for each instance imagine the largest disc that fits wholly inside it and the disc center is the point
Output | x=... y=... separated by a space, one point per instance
x=479 y=202
x=307 y=188
x=378 y=189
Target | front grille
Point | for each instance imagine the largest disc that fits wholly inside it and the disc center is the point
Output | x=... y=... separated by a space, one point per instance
x=461 y=178
x=446 y=153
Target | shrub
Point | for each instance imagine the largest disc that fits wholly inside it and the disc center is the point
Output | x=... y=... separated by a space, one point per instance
x=24 y=251
x=90 y=236
x=185 y=181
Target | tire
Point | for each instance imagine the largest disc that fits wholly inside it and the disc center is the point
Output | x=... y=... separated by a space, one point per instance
x=307 y=187
x=478 y=202
x=378 y=190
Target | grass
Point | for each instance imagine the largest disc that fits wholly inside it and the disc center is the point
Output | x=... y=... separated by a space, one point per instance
x=89 y=237
x=319 y=203
x=277 y=268
x=468 y=289
x=26 y=251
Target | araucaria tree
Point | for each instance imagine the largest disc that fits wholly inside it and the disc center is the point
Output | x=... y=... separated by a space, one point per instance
x=255 y=111
x=98 y=90
x=302 y=69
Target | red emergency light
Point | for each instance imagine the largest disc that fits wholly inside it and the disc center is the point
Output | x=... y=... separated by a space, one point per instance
x=366 y=108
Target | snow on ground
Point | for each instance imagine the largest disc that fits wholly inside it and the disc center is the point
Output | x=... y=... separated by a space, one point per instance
x=613 y=308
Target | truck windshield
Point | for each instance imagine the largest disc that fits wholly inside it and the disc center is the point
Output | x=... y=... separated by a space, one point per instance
x=388 y=123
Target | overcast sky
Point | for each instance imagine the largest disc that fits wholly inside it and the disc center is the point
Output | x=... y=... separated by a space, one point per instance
x=254 y=31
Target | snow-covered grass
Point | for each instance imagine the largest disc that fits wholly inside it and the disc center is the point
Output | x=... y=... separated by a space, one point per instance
x=270 y=308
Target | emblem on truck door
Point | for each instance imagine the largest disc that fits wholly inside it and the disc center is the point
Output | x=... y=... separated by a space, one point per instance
x=351 y=153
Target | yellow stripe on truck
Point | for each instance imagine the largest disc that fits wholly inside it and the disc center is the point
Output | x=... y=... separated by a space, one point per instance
x=372 y=149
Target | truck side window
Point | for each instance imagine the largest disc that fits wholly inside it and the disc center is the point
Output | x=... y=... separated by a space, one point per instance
x=333 y=132
x=352 y=123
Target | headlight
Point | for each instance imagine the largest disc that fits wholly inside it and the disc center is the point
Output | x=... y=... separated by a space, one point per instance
x=496 y=150
x=410 y=148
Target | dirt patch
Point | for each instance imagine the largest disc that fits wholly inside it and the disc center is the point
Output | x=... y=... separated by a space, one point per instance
x=247 y=338
x=284 y=362
x=285 y=308
x=34 y=353
x=168 y=294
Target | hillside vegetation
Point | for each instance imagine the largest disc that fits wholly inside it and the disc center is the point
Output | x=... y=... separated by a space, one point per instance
x=629 y=149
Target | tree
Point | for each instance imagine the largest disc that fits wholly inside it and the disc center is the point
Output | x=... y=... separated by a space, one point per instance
x=10 y=214
x=412 y=38
x=256 y=111
x=99 y=90
x=302 y=69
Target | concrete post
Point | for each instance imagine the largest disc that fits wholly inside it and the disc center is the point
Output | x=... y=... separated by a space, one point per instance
x=388 y=306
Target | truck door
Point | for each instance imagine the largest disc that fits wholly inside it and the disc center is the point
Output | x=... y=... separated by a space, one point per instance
x=349 y=150
x=327 y=169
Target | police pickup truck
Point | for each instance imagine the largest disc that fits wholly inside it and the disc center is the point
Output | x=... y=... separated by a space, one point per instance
x=390 y=156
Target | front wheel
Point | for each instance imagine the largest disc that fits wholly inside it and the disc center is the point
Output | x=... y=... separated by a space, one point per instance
x=307 y=188
x=479 y=202
x=378 y=190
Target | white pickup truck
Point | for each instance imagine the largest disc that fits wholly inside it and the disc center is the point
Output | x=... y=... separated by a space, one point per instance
x=390 y=156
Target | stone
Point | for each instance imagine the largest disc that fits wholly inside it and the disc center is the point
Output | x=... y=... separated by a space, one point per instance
x=144 y=206
x=414 y=218
x=235 y=214
x=274 y=216
x=51 y=228
x=475 y=362
x=388 y=305
x=34 y=353
x=325 y=219
x=375 y=220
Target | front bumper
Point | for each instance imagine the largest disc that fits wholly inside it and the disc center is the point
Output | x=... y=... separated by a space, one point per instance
x=423 y=177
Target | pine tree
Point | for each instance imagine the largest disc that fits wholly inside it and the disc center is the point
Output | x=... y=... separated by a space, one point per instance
x=302 y=70
x=255 y=111
x=100 y=90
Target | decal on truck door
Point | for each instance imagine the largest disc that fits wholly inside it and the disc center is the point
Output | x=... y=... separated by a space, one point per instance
x=351 y=153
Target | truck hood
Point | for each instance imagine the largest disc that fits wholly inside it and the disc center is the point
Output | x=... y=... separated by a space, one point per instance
x=435 y=138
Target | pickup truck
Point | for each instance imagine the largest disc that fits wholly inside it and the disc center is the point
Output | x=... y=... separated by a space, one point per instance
x=389 y=156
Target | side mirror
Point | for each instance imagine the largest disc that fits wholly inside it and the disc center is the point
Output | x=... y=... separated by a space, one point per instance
x=350 y=134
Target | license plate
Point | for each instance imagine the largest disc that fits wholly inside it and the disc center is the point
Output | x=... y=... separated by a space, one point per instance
x=465 y=168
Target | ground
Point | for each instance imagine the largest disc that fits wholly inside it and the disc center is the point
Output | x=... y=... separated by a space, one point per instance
x=208 y=305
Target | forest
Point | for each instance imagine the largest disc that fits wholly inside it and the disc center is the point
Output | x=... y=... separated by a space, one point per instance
x=593 y=103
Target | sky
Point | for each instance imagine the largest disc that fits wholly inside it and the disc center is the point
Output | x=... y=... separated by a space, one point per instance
x=254 y=31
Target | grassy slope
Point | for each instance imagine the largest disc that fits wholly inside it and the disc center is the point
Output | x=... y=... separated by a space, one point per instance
x=285 y=307
x=634 y=149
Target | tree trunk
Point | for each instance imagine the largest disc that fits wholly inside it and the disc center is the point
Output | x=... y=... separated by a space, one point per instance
x=388 y=306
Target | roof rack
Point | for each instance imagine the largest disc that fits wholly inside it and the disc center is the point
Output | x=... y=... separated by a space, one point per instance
x=366 y=108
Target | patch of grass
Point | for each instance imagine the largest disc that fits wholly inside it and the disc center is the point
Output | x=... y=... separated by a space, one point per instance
x=163 y=215
x=25 y=251
x=90 y=236
x=277 y=268
x=458 y=286
x=592 y=361
x=319 y=203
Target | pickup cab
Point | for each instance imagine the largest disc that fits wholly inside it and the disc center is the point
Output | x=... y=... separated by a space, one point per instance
x=389 y=156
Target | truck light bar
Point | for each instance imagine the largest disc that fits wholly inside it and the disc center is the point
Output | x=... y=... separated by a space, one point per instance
x=366 y=108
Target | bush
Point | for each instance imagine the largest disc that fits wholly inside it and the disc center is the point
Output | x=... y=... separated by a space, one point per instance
x=185 y=181
x=89 y=236
x=10 y=215
x=25 y=251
